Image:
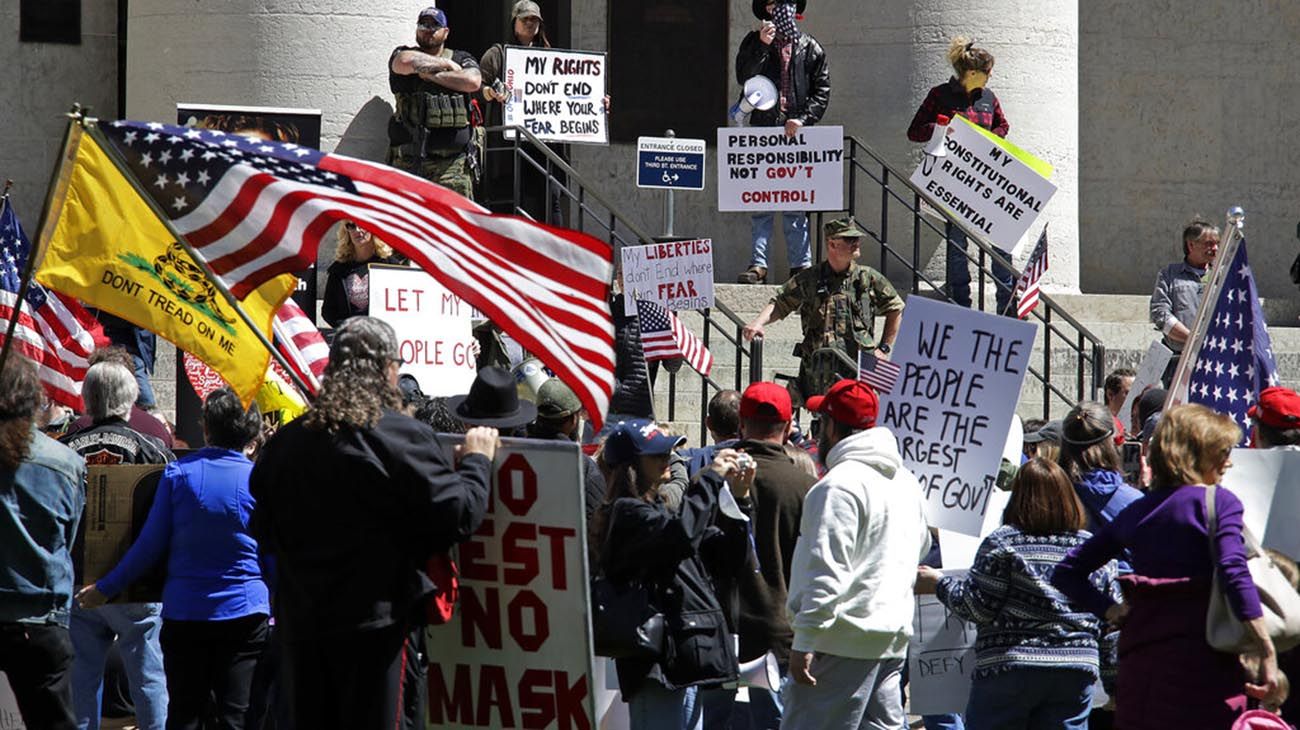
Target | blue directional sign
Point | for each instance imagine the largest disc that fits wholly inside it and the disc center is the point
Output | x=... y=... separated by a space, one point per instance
x=671 y=163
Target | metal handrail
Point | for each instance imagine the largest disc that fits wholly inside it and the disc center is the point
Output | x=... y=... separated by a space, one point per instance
x=1088 y=349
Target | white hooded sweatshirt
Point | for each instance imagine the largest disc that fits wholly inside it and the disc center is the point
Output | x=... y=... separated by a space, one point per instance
x=862 y=536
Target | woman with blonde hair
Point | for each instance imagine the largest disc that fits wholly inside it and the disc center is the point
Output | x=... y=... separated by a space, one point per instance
x=347 y=283
x=1169 y=676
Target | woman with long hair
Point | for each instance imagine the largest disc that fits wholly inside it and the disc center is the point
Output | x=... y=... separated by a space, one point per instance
x=1089 y=457
x=347 y=282
x=1169 y=676
x=681 y=554
x=1037 y=657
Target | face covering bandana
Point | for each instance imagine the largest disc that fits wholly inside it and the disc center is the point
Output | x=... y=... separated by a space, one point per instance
x=783 y=17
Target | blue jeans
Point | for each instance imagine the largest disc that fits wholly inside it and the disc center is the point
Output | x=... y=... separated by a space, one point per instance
x=1033 y=699
x=797 y=251
x=146 y=398
x=958 y=275
x=656 y=708
x=135 y=626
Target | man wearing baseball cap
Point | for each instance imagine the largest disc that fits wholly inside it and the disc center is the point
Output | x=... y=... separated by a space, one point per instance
x=559 y=418
x=862 y=535
x=838 y=302
x=430 y=134
x=1276 y=418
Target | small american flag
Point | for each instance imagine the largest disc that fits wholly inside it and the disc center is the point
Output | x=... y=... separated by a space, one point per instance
x=253 y=209
x=878 y=372
x=664 y=337
x=53 y=331
x=1026 y=292
x=1235 y=361
x=297 y=338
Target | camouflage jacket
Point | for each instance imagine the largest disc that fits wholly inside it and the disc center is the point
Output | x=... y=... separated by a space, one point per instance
x=837 y=309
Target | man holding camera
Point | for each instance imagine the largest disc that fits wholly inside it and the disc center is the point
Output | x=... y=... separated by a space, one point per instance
x=837 y=301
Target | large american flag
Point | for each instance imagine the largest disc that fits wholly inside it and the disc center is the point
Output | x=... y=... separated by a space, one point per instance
x=53 y=332
x=1027 y=287
x=878 y=372
x=302 y=345
x=664 y=337
x=254 y=209
x=1235 y=360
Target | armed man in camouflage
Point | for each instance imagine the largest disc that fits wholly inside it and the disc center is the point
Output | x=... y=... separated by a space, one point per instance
x=837 y=301
x=430 y=133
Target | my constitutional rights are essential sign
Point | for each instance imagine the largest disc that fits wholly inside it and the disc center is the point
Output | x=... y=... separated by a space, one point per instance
x=992 y=185
x=761 y=169
x=557 y=95
x=433 y=327
x=961 y=378
x=676 y=274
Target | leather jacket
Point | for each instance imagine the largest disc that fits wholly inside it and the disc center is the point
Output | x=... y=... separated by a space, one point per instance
x=810 y=74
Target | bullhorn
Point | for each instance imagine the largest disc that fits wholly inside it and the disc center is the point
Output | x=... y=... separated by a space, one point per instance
x=935 y=147
x=760 y=93
x=763 y=673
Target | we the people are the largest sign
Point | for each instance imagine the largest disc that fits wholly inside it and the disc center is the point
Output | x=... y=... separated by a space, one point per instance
x=517 y=653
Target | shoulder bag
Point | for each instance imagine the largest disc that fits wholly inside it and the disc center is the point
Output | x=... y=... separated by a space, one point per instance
x=1280 y=601
x=624 y=621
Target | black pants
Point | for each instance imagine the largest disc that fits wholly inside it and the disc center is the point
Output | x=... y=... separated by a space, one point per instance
x=210 y=660
x=350 y=681
x=37 y=659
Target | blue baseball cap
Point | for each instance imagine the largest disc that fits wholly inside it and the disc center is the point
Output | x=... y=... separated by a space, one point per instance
x=638 y=437
x=435 y=13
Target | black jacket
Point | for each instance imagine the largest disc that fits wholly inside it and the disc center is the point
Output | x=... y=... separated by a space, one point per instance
x=679 y=553
x=351 y=519
x=631 y=375
x=810 y=74
x=335 y=307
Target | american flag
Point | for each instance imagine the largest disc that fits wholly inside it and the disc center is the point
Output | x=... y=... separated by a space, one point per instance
x=53 y=331
x=254 y=209
x=664 y=337
x=878 y=372
x=1235 y=361
x=1026 y=293
x=297 y=338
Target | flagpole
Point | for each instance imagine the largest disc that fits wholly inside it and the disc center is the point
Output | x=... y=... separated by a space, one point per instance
x=1218 y=274
x=93 y=130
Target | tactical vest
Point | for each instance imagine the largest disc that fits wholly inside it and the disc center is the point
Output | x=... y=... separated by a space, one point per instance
x=423 y=107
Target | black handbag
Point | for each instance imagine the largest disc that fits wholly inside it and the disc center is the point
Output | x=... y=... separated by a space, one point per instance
x=624 y=622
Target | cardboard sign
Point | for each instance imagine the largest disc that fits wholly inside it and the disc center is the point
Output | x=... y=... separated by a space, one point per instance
x=962 y=372
x=997 y=188
x=118 y=499
x=676 y=274
x=940 y=657
x=1148 y=373
x=670 y=163
x=517 y=652
x=434 y=333
x=557 y=95
x=1267 y=481
x=760 y=169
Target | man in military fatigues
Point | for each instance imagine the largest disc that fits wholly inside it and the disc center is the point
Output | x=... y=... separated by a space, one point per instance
x=837 y=301
x=430 y=133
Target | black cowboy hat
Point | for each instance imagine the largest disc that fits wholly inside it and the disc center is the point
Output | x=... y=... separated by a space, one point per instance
x=493 y=400
x=760 y=8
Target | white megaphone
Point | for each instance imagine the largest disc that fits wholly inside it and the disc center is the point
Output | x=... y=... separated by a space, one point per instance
x=529 y=376
x=760 y=93
x=762 y=672
x=935 y=147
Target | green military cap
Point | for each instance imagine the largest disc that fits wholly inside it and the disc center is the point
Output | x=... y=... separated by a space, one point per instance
x=555 y=400
x=843 y=228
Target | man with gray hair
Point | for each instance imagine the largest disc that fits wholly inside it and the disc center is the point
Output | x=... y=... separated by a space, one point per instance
x=109 y=391
x=353 y=499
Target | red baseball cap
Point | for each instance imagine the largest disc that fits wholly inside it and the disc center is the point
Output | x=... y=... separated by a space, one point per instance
x=1278 y=407
x=766 y=401
x=850 y=402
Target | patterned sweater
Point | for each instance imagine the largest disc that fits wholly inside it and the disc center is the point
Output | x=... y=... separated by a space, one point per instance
x=1023 y=622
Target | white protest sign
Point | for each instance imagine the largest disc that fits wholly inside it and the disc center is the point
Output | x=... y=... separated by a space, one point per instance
x=1148 y=373
x=958 y=549
x=518 y=652
x=676 y=274
x=10 y=718
x=961 y=375
x=761 y=169
x=997 y=188
x=1267 y=481
x=433 y=328
x=940 y=657
x=557 y=95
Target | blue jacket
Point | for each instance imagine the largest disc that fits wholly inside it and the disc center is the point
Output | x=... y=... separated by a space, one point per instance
x=1104 y=494
x=40 y=506
x=199 y=521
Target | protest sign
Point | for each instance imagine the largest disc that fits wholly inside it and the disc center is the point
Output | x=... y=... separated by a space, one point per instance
x=434 y=335
x=10 y=718
x=761 y=169
x=557 y=95
x=961 y=375
x=1148 y=373
x=118 y=499
x=676 y=274
x=940 y=657
x=1267 y=481
x=997 y=188
x=517 y=652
